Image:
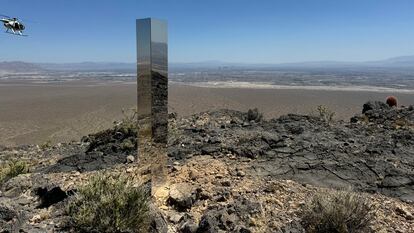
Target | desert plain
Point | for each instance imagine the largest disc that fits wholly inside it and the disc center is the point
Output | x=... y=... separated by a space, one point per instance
x=37 y=112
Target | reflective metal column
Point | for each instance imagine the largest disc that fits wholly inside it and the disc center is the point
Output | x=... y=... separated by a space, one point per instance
x=152 y=84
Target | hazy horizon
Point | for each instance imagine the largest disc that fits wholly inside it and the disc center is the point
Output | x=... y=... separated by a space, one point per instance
x=213 y=61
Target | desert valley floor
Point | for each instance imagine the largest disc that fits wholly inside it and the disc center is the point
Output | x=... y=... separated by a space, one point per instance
x=36 y=113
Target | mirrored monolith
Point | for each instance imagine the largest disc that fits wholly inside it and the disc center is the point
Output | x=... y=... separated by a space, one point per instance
x=152 y=87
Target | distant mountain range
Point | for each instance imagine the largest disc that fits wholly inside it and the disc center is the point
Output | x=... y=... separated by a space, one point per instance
x=19 y=67
x=82 y=66
x=22 y=67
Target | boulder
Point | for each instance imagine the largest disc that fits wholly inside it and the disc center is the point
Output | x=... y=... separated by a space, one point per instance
x=158 y=223
x=130 y=159
x=374 y=105
x=181 y=196
x=189 y=227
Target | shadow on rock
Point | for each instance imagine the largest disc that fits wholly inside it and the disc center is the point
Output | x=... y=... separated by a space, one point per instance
x=51 y=196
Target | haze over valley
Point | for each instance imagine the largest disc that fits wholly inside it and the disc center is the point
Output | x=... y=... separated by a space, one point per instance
x=394 y=73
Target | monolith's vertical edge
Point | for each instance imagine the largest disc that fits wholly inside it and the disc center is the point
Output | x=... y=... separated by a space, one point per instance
x=152 y=93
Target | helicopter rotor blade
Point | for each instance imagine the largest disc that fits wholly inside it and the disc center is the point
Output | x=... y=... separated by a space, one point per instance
x=19 y=19
x=28 y=21
x=24 y=20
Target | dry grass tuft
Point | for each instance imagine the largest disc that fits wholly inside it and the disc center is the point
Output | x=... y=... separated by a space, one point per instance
x=337 y=211
x=110 y=203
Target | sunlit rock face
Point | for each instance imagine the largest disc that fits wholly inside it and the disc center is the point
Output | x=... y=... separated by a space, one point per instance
x=152 y=89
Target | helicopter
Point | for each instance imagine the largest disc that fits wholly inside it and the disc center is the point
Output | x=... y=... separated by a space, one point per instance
x=13 y=24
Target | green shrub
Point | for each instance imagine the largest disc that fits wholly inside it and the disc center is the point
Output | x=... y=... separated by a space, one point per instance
x=46 y=145
x=337 y=211
x=130 y=119
x=254 y=115
x=325 y=114
x=12 y=169
x=109 y=204
x=127 y=145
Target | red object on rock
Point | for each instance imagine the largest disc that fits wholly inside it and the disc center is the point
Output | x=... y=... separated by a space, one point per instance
x=391 y=101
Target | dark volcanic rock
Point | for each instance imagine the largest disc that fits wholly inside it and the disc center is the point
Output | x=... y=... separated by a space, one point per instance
x=209 y=223
x=87 y=162
x=121 y=139
x=10 y=221
x=374 y=106
x=104 y=149
x=384 y=116
x=230 y=218
x=189 y=227
x=7 y=214
x=158 y=223
x=373 y=153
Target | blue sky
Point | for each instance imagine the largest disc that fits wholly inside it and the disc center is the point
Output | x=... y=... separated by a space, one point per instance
x=254 y=31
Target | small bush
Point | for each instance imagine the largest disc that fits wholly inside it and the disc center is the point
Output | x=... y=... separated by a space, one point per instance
x=46 y=145
x=12 y=169
x=109 y=204
x=337 y=211
x=127 y=145
x=325 y=114
x=254 y=115
x=130 y=118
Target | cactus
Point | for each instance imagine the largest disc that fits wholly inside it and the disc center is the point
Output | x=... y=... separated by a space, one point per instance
x=391 y=101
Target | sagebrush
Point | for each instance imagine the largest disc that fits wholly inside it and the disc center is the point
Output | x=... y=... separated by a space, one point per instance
x=254 y=115
x=109 y=203
x=130 y=118
x=46 y=145
x=325 y=114
x=337 y=211
x=12 y=169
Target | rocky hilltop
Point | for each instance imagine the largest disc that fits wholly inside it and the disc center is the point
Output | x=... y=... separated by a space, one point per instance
x=232 y=171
